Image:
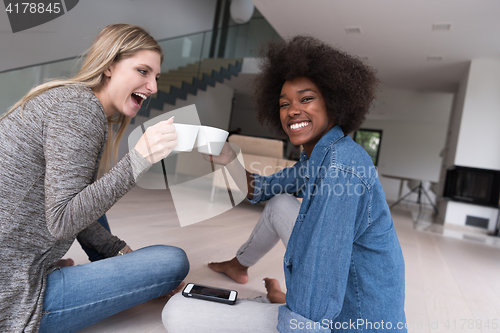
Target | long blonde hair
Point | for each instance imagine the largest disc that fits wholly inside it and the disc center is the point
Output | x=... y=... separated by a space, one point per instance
x=114 y=43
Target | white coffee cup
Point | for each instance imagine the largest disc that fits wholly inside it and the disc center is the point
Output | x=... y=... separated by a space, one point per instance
x=211 y=140
x=186 y=136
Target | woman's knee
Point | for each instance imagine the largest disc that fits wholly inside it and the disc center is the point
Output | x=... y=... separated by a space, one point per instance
x=282 y=202
x=170 y=259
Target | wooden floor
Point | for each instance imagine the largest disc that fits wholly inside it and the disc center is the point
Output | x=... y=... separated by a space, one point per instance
x=452 y=285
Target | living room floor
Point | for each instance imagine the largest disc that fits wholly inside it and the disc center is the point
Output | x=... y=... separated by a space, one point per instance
x=452 y=285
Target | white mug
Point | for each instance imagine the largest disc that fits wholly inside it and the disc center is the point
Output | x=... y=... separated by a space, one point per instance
x=211 y=140
x=186 y=136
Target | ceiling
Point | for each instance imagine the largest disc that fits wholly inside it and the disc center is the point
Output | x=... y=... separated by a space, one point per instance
x=397 y=36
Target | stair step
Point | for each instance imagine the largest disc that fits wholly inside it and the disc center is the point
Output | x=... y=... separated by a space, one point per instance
x=202 y=68
x=184 y=73
x=225 y=64
x=222 y=61
x=195 y=70
x=168 y=80
x=187 y=74
x=172 y=82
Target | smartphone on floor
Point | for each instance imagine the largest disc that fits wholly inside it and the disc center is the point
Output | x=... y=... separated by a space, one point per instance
x=210 y=293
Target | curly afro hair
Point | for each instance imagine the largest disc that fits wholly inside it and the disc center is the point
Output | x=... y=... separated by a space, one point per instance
x=347 y=85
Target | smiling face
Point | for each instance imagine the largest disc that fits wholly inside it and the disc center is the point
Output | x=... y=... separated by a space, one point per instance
x=303 y=113
x=129 y=82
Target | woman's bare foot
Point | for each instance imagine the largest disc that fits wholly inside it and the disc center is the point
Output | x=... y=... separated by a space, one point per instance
x=65 y=262
x=175 y=291
x=274 y=293
x=231 y=268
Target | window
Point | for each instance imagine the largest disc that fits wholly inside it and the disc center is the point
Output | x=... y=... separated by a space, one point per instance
x=370 y=141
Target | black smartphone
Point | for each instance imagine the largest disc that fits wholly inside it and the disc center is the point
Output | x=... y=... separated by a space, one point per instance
x=210 y=293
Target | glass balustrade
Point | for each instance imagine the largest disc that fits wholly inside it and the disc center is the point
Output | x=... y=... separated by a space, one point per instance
x=238 y=41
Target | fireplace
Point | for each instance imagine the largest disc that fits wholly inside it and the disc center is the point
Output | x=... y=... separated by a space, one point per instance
x=471 y=185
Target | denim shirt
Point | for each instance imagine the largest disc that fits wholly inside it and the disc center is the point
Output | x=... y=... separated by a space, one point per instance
x=344 y=267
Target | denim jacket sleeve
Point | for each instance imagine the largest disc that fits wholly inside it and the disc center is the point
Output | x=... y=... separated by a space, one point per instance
x=318 y=257
x=289 y=180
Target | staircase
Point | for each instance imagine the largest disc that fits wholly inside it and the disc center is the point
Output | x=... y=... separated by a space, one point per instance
x=188 y=79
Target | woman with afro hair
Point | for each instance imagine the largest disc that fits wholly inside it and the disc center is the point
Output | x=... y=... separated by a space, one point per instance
x=344 y=268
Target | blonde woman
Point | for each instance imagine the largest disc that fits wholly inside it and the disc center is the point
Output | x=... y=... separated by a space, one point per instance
x=53 y=144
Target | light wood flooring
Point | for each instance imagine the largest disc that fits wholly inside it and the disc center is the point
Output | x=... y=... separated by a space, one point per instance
x=452 y=285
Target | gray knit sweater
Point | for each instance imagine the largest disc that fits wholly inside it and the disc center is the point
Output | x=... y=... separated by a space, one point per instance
x=49 y=156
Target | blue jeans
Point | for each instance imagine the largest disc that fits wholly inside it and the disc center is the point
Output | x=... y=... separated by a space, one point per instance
x=79 y=296
x=275 y=223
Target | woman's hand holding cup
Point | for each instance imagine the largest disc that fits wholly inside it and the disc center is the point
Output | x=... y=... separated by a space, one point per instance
x=158 y=141
x=226 y=156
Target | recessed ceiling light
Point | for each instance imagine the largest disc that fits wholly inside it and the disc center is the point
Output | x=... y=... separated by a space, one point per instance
x=435 y=57
x=441 y=27
x=352 y=30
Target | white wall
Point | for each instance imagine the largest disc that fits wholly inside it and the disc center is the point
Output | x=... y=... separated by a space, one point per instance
x=479 y=137
x=474 y=133
x=408 y=150
x=414 y=126
x=411 y=105
x=452 y=140
x=455 y=122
